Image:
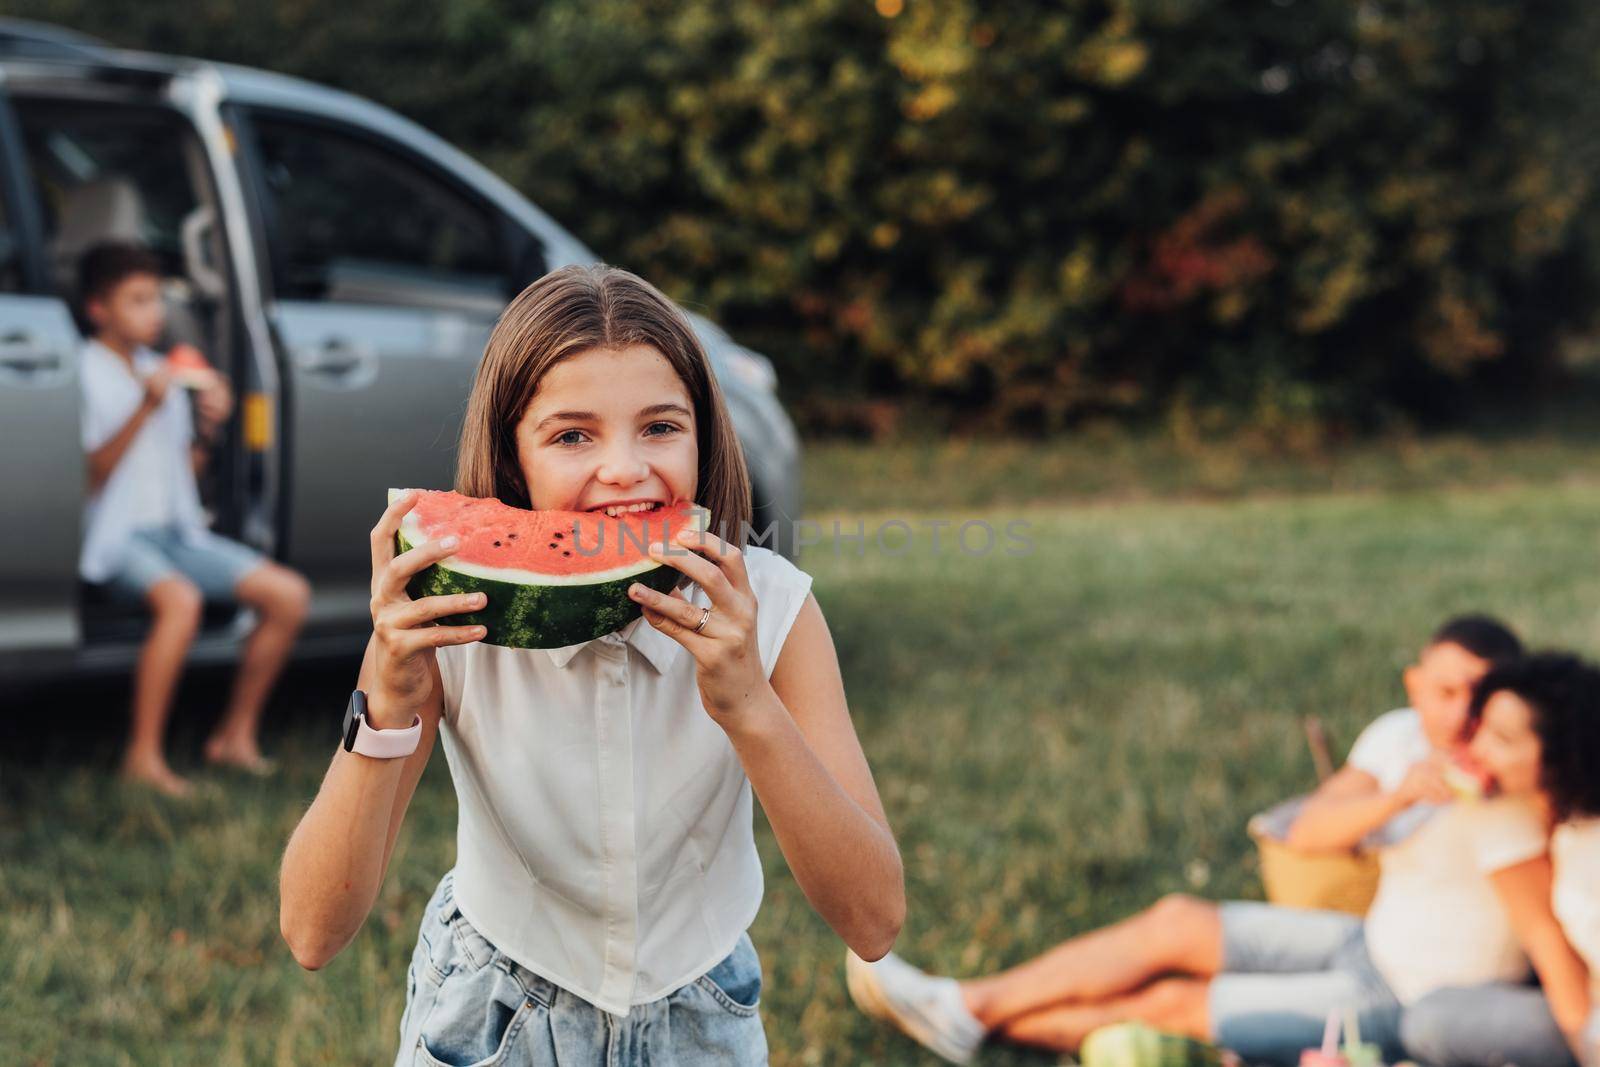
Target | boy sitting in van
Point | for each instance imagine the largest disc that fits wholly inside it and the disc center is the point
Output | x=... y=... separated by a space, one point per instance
x=145 y=537
x=1455 y=899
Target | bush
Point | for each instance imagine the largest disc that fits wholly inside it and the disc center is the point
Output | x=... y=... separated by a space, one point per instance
x=1025 y=214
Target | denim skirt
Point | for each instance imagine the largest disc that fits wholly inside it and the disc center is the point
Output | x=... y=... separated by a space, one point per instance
x=469 y=1005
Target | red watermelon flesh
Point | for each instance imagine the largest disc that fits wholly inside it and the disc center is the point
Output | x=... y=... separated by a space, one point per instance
x=552 y=578
x=189 y=367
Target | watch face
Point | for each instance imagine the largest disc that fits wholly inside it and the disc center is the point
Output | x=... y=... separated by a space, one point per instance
x=352 y=718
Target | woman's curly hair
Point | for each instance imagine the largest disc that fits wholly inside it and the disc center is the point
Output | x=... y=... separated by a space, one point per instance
x=1564 y=693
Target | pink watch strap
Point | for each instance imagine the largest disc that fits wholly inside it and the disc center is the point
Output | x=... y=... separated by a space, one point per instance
x=387 y=744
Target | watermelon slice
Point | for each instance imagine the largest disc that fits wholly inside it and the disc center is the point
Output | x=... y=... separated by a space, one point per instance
x=189 y=367
x=552 y=578
x=1137 y=1045
x=1466 y=777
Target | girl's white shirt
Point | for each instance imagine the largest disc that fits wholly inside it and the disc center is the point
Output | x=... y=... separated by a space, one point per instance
x=605 y=838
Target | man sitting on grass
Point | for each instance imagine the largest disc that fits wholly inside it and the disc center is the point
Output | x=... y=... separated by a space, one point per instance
x=1261 y=979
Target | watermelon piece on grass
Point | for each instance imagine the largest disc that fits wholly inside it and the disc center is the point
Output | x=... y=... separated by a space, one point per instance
x=1137 y=1045
x=552 y=578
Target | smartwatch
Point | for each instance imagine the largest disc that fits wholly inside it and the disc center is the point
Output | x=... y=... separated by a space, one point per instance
x=380 y=744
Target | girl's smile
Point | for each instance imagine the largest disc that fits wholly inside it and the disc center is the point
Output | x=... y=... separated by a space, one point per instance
x=609 y=430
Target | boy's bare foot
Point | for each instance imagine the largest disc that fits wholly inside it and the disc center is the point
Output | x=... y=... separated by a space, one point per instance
x=157 y=775
x=240 y=755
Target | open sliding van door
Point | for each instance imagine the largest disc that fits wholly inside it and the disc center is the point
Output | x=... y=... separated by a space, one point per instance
x=42 y=467
x=387 y=275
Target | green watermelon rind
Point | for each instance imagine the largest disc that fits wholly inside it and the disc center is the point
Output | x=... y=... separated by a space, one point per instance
x=1138 y=1045
x=553 y=615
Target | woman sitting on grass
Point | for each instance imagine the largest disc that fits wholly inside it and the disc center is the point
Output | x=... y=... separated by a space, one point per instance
x=1463 y=900
x=1538 y=732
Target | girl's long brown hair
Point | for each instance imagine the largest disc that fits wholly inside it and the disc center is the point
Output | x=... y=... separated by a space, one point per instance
x=572 y=310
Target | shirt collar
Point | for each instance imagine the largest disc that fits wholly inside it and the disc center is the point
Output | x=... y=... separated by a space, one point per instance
x=141 y=357
x=656 y=647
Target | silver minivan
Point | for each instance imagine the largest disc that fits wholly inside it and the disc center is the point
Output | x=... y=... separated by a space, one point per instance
x=343 y=265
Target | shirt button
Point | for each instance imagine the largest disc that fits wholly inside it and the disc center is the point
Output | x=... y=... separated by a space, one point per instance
x=618 y=679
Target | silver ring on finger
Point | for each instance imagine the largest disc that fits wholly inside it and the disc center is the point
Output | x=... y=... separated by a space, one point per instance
x=705 y=614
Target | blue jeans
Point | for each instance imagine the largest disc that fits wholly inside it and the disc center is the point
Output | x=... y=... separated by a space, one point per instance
x=1489 y=1025
x=1283 y=971
x=468 y=1005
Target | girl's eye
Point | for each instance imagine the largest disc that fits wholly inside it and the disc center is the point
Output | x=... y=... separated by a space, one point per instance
x=669 y=428
x=562 y=439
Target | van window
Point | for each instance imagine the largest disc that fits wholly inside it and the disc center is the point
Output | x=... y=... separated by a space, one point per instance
x=108 y=173
x=357 y=222
x=10 y=255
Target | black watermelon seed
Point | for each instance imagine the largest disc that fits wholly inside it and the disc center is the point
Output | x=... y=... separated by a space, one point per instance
x=512 y=536
x=566 y=553
x=559 y=535
x=497 y=544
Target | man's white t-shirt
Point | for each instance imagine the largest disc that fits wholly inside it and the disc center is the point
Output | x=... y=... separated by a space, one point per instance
x=153 y=484
x=1436 y=920
x=1575 y=853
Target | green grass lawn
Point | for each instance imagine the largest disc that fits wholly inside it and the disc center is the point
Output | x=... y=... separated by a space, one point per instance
x=1112 y=465
x=1059 y=737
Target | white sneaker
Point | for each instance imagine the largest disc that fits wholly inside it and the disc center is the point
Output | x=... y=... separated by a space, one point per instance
x=926 y=1008
x=862 y=986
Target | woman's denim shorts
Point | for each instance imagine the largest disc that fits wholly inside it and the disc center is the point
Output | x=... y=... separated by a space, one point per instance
x=468 y=1004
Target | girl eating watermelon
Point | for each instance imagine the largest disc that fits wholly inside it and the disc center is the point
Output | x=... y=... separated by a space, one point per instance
x=606 y=869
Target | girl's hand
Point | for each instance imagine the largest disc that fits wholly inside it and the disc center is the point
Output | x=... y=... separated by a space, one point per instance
x=403 y=628
x=728 y=663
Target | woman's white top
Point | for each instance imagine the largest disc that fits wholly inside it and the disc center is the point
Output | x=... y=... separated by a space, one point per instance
x=605 y=839
x=1575 y=854
x=1436 y=920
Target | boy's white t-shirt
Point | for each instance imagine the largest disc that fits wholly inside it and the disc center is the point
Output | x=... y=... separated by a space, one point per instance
x=605 y=838
x=1436 y=920
x=153 y=484
x=1575 y=853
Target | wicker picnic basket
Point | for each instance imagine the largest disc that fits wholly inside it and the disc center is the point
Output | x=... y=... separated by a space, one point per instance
x=1340 y=881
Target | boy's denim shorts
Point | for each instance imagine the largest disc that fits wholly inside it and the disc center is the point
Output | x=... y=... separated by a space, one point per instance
x=1284 y=970
x=468 y=1004
x=212 y=562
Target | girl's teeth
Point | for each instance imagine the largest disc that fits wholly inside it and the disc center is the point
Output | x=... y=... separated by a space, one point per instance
x=629 y=509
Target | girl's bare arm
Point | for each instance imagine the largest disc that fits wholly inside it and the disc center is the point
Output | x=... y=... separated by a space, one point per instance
x=336 y=859
x=793 y=734
x=337 y=856
x=805 y=763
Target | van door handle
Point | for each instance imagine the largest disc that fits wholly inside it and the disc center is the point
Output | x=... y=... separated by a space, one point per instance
x=20 y=352
x=335 y=359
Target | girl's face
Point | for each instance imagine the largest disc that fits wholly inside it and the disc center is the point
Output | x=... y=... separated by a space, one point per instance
x=609 y=427
x=1507 y=746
